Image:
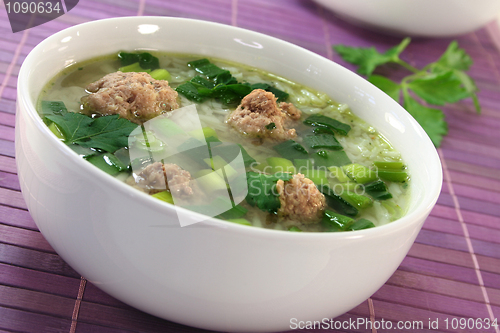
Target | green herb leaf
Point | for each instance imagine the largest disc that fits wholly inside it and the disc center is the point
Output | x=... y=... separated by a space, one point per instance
x=146 y=60
x=439 y=88
x=470 y=87
x=431 y=120
x=53 y=107
x=369 y=58
x=323 y=158
x=458 y=61
x=271 y=126
x=388 y=86
x=192 y=91
x=321 y=120
x=279 y=94
x=291 y=150
x=322 y=141
x=218 y=83
x=108 y=162
x=454 y=57
x=108 y=133
x=440 y=82
x=49 y=108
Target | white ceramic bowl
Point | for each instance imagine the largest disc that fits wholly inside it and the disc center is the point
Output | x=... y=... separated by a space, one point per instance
x=424 y=18
x=213 y=274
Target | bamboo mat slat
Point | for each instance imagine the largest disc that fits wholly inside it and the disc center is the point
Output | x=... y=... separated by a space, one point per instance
x=452 y=270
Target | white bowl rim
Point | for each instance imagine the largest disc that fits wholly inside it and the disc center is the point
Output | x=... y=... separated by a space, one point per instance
x=23 y=97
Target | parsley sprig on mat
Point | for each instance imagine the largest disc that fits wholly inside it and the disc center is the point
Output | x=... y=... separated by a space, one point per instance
x=437 y=84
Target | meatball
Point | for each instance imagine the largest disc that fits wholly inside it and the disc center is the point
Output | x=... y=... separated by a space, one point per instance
x=157 y=177
x=300 y=200
x=134 y=96
x=291 y=110
x=258 y=112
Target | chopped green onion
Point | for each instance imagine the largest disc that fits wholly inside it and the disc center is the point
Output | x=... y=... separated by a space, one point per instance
x=393 y=209
x=240 y=221
x=210 y=180
x=203 y=133
x=378 y=190
x=336 y=222
x=337 y=202
x=323 y=130
x=218 y=164
x=393 y=176
x=357 y=200
x=164 y=127
x=389 y=165
x=237 y=211
x=279 y=164
x=359 y=173
x=317 y=176
x=260 y=166
x=160 y=74
x=361 y=224
x=262 y=190
x=164 y=196
x=339 y=174
x=57 y=131
x=295 y=229
x=135 y=67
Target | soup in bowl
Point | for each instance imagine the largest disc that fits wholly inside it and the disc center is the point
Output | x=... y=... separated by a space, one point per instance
x=231 y=185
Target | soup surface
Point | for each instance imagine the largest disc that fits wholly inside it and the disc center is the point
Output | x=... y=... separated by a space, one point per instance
x=228 y=141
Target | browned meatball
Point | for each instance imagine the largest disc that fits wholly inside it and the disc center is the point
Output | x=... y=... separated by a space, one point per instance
x=134 y=96
x=291 y=110
x=300 y=200
x=157 y=177
x=258 y=111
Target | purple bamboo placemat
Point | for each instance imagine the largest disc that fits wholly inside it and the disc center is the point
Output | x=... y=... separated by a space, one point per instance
x=452 y=271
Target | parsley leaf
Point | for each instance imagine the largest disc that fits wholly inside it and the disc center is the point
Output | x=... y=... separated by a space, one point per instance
x=108 y=133
x=218 y=83
x=431 y=120
x=369 y=58
x=146 y=60
x=388 y=86
x=439 y=88
x=454 y=57
x=271 y=126
x=438 y=83
x=458 y=61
